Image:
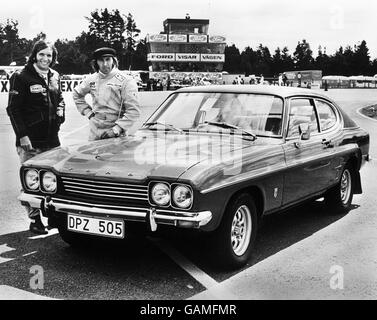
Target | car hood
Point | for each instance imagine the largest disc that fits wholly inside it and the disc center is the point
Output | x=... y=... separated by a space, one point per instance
x=146 y=154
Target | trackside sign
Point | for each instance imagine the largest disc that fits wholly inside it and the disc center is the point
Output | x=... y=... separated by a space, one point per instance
x=65 y=85
x=198 y=38
x=186 y=57
x=177 y=38
x=216 y=39
x=157 y=38
x=4 y=86
x=210 y=57
x=161 y=57
x=68 y=85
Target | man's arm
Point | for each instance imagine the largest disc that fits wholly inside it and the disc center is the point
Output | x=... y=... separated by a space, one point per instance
x=130 y=105
x=79 y=93
x=16 y=101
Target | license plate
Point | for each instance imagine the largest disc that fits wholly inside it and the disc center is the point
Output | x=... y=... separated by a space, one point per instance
x=104 y=227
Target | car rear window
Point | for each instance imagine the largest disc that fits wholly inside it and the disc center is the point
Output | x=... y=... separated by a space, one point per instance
x=326 y=115
x=301 y=111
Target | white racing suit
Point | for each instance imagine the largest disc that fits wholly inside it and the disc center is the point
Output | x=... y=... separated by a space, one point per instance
x=115 y=101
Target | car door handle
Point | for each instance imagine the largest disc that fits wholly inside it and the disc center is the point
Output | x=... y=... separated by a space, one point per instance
x=327 y=143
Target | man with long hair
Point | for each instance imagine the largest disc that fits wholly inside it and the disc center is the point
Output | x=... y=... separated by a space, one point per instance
x=36 y=110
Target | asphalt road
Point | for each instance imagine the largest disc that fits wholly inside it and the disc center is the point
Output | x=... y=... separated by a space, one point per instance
x=294 y=254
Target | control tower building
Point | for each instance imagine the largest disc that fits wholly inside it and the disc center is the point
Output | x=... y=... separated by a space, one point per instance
x=185 y=46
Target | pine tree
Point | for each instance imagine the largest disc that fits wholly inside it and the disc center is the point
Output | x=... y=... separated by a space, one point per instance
x=232 y=62
x=322 y=62
x=132 y=33
x=248 y=61
x=264 y=61
x=303 y=56
x=9 y=40
x=106 y=29
x=362 y=58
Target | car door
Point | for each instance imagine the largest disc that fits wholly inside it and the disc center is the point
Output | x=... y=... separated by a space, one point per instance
x=308 y=161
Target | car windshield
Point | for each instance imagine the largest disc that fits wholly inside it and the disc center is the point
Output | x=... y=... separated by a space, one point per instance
x=257 y=113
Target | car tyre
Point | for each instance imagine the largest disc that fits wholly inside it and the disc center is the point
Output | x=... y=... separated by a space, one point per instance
x=339 y=198
x=233 y=241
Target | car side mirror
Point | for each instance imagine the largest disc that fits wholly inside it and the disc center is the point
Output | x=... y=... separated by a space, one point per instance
x=304 y=131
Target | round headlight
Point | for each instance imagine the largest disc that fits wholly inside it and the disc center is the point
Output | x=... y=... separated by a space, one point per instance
x=161 y=194
x=182 y=196
x=49 y=182
x=32 y=179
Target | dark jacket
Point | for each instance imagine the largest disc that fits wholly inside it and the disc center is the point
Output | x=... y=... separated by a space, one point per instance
x=32 y=107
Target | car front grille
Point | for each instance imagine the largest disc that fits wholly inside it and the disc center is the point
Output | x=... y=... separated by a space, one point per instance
x=104 y=190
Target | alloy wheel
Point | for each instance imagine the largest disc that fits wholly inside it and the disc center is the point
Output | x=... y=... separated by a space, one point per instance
x=241 y=230
x=345 y=186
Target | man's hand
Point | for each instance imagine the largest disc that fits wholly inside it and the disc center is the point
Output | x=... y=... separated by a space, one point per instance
x=108 y=134
x=26 y=143
x=59 y=111
x=60 y=114
x=113 y=132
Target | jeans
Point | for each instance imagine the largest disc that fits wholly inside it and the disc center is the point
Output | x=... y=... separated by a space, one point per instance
x=24 y=156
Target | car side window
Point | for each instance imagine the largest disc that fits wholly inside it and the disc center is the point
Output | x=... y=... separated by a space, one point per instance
x=301 y=111
x=326 y=115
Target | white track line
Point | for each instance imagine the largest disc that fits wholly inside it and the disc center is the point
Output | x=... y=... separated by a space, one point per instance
x=29 y=254
x=4 y=248
x=199 y=275
x=185 y=264
x=12 y=293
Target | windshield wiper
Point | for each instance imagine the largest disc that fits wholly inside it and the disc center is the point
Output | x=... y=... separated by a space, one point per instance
x=231 y=126
x=163 y=124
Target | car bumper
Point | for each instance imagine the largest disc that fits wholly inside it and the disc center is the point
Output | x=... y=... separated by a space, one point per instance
x=51 y=205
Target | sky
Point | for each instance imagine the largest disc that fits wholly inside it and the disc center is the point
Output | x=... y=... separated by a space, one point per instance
x=273 y=23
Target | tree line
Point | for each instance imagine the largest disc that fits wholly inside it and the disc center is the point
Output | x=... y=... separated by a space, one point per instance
x=106 y=28
x=111 y=28
x=346 y=61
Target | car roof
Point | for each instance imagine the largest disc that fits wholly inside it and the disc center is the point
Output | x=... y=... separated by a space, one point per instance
x=281 y=91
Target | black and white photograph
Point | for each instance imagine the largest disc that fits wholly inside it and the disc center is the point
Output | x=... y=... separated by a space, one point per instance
x=204 y=152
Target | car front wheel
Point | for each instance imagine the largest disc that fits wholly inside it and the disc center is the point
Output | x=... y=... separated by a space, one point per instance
x=339 y=198
x=233 y=240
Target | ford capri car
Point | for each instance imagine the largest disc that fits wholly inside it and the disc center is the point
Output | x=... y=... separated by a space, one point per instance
x=216 y=159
